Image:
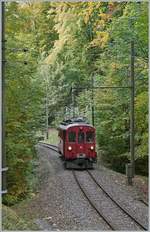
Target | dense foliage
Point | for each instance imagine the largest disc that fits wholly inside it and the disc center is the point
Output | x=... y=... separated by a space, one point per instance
x=24 y=95
x=68 y=45
x=95 y=42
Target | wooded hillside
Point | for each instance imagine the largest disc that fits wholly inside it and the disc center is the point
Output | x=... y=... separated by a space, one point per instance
x=53 y=46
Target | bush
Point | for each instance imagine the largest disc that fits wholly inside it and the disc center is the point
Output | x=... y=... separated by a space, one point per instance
x=141 y=166
x=9 y=199
x=118 y=162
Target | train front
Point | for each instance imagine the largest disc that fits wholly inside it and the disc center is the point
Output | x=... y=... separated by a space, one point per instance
x=80 y=148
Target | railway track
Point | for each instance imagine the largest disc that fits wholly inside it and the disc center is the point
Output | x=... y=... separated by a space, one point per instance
x=100 y=213
x=90 y=201
x=50 y=146
x=94 y=206
x=119 y=205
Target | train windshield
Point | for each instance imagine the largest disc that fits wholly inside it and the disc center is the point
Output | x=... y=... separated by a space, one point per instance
x=72 y=136
x=90 y=136
x=81 y=137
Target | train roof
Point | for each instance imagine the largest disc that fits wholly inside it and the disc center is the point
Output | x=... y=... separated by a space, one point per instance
x=66 y=127
x=79 y=121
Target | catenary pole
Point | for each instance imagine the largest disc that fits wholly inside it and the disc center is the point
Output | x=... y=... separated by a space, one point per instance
x=73 y=99
x=132 y=110
x=4 y=168
x=93 y=101
x=47 y=111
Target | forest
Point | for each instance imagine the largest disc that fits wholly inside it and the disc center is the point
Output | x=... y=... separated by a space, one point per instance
x=53 y=48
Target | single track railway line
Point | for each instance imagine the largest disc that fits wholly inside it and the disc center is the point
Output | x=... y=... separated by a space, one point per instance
x=50 y=146
x=119 y=205
x=85 y=193
x=90 y=201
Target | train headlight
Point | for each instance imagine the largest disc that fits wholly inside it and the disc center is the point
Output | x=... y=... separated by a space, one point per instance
x=69 y=148
x=92 y=148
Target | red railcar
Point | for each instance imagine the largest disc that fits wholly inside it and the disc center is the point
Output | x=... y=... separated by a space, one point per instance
x=77 y=144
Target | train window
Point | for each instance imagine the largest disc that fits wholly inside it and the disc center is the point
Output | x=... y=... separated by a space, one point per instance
x=72 y=136
x=89 y=136
x=81 y=137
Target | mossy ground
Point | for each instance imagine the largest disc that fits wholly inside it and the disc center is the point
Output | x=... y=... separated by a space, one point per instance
x=11 y=221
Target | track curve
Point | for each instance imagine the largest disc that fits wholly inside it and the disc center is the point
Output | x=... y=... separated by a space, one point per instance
x=91 y=203
x=112 y=199
x=50 y=146
x=112 y=227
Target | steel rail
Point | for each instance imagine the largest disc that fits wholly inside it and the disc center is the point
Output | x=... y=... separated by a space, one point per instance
x=109 y=195
x=91 y=203
x=144 y=202
x=52 y=145
x=55 y=148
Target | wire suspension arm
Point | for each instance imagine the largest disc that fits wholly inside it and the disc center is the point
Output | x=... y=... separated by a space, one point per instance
x=104 y=87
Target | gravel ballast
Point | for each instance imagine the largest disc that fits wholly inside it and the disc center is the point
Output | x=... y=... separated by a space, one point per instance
x=60 y=204
x=115 y=216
